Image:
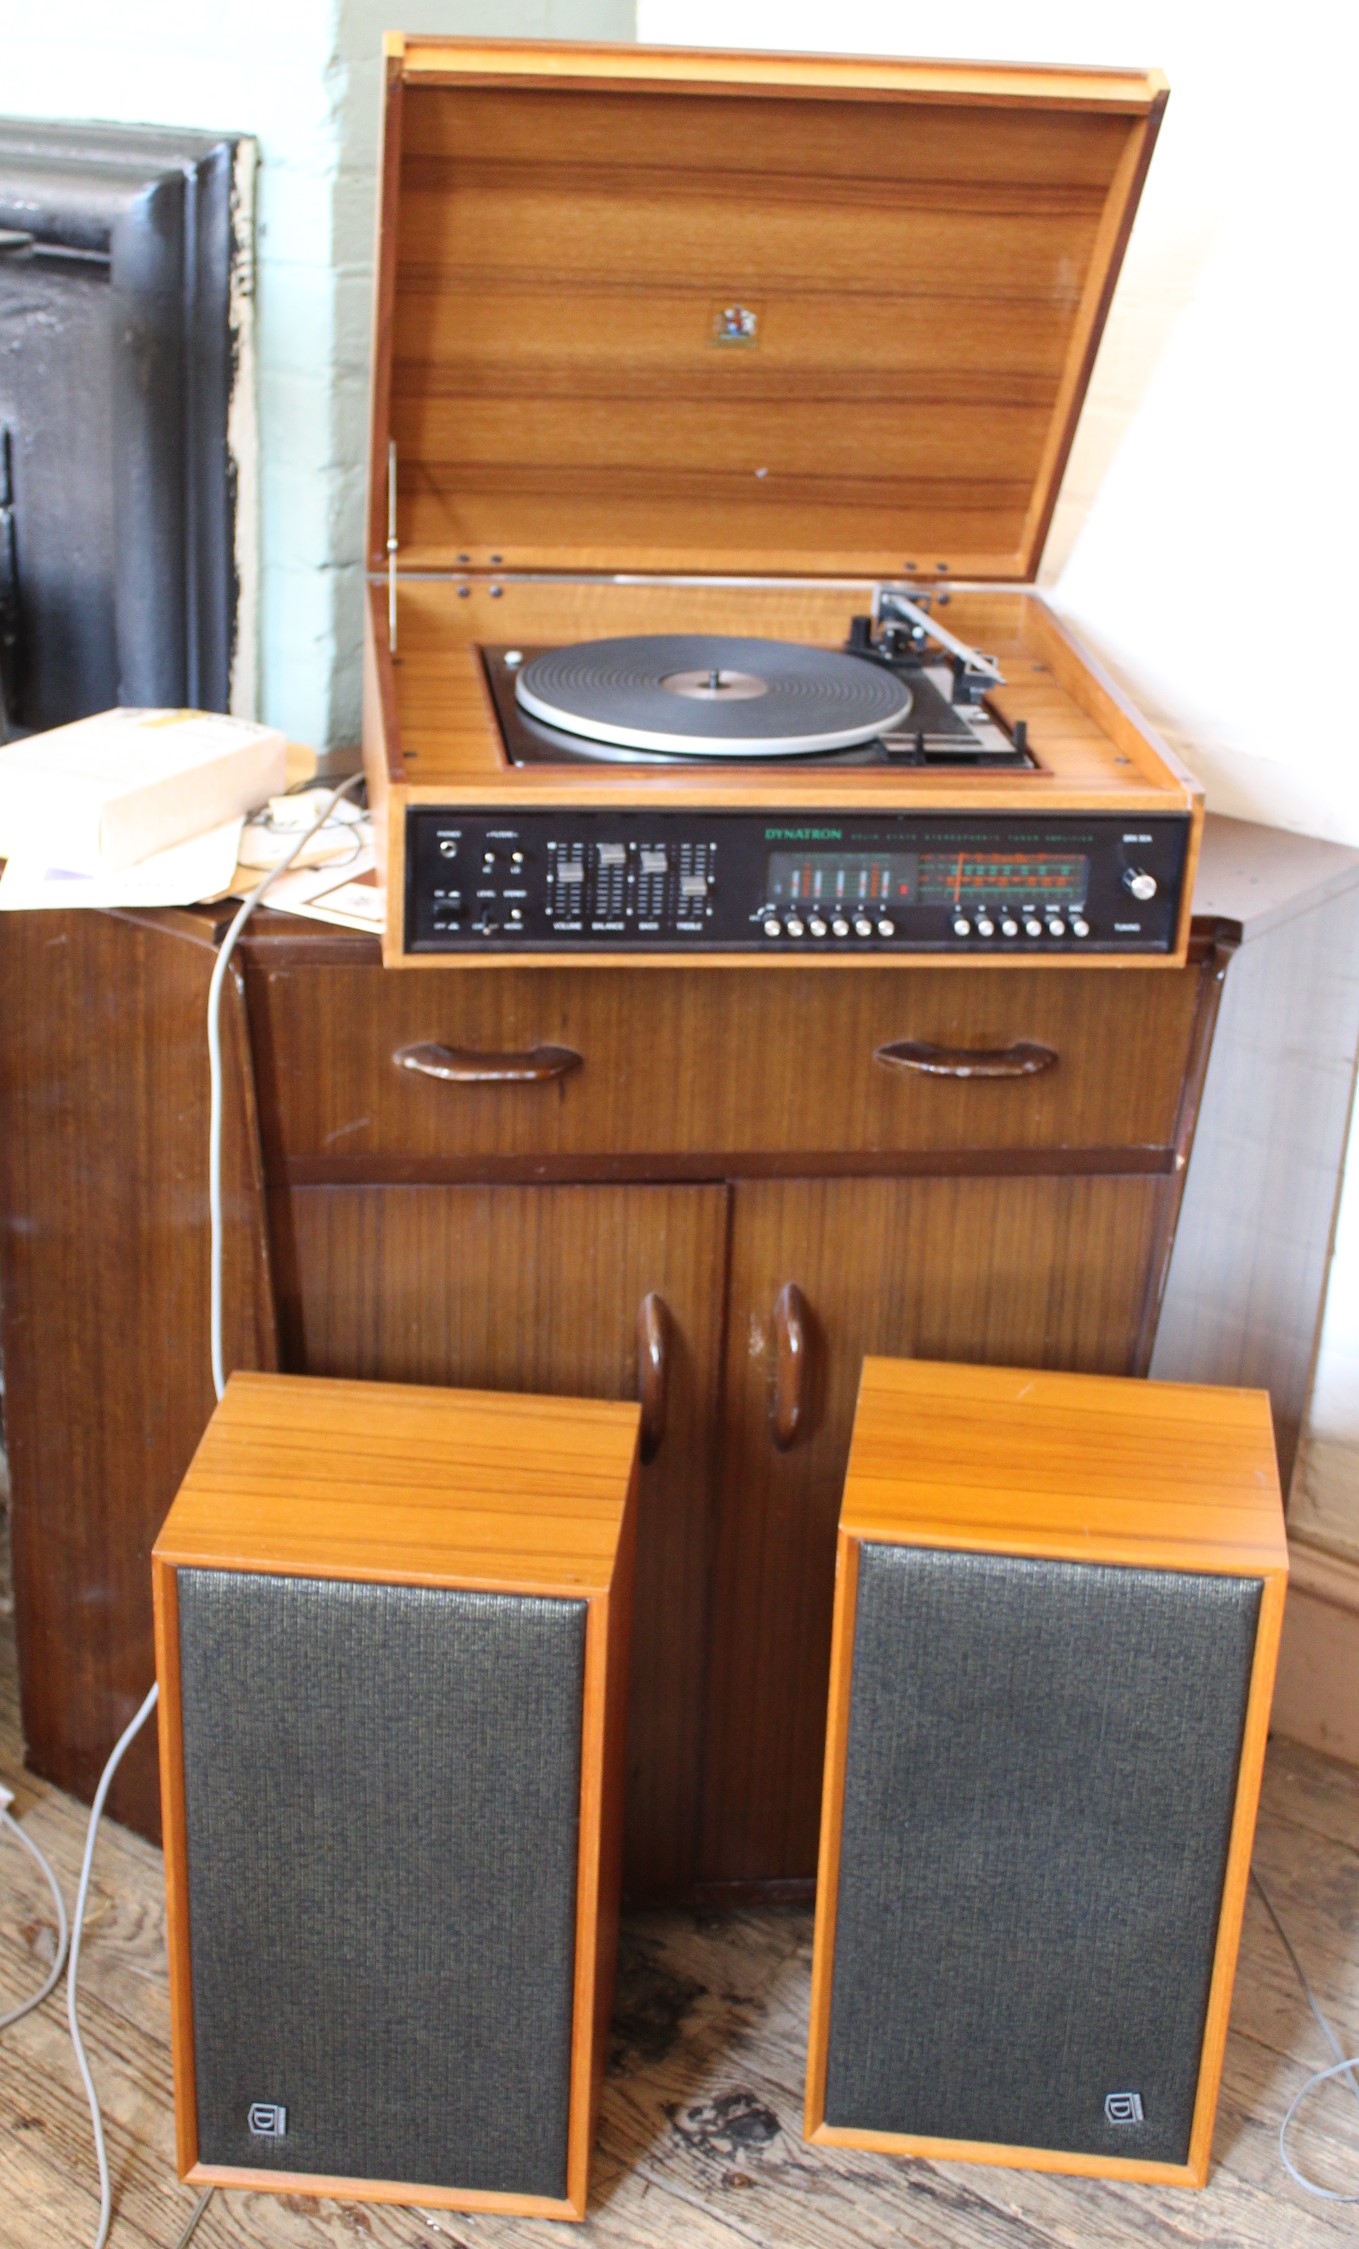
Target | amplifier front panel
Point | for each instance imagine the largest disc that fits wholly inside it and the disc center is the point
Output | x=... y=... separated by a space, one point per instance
x=829 y=886
x=382 y=1788
x=1039 y=1784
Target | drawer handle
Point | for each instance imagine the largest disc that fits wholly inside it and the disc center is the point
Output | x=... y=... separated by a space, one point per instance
x=653 y=1371
x=462 y=1065
x=1023 y=1060
x=788 y=1383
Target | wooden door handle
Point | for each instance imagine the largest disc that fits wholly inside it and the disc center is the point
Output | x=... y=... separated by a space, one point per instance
x=788 y=1374
x=463 y=1065
x=653 y=1371
x=1022 y=1060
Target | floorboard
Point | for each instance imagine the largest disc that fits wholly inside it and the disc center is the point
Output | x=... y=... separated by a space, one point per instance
x=700 y=2145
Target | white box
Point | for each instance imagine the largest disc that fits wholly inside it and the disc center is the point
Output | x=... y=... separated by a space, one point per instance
x=109 y=791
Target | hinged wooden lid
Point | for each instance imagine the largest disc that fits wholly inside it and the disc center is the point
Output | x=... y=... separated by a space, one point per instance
x=658 y=309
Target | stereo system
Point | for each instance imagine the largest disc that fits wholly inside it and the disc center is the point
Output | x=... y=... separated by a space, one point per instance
x=515 y=880
x=1057 y=1611
x=392 y=1651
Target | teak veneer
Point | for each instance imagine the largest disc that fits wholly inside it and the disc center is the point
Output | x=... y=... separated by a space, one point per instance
x=928 y=252
x=417 y=1486
x=1070 y=1468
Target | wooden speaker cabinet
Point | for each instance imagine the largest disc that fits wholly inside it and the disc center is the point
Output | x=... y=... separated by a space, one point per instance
x=1057 y=1614
x=392 y=1631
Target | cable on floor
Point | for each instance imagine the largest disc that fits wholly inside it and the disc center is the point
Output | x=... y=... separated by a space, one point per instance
x=1344 y=2065
x=53 y=1976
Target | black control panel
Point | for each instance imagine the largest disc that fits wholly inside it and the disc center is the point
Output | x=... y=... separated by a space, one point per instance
x=828 y=883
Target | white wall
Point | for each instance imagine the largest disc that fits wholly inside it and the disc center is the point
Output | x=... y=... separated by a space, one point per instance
x=303 y=77
x=1204 y=535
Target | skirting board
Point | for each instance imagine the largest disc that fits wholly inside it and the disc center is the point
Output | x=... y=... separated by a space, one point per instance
x=1316 y=1696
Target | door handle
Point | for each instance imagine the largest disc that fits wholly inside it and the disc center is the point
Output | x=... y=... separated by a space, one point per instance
x=788 y=1374
x=1022 y=1060
x=653 y=1371
x=463 y=1065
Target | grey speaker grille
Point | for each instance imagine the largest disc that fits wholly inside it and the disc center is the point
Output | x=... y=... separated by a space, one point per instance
x=1040 y=1775
x=382 y=1805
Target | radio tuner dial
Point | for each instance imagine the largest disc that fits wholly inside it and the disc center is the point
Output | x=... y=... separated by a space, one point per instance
x=1142 y=885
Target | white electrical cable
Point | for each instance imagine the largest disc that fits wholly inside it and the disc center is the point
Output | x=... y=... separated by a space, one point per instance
x=53 y=1976
x=128 y=1735
x=1344 y=2064
x=225 y=951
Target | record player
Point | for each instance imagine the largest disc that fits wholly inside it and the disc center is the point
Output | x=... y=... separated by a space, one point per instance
x=720 y=408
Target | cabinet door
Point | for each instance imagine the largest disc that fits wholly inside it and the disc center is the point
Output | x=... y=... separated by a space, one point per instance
x=540 y=1289
x=1045 y=1272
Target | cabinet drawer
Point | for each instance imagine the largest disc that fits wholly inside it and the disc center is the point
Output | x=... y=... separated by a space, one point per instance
x=650 y=1063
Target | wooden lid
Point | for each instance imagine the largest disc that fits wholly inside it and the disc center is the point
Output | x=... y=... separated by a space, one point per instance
x=659 y=309
x=1080 y=1467
x=403 y=1484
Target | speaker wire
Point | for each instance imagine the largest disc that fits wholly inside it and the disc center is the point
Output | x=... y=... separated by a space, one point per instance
x=53 y=1976
x=1344 y=2064
x=220 y=966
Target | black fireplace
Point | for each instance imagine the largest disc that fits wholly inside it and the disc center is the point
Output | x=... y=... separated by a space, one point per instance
x=126 y=419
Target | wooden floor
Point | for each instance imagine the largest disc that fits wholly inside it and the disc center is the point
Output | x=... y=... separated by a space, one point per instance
x=700 y=2143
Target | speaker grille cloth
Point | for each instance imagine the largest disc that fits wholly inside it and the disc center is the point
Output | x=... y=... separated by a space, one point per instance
x=1040 y=1776
x=382 y=1802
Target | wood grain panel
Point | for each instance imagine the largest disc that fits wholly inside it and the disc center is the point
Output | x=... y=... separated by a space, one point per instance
x=104 y=1290
x=721 y=1065
x=1068 y=1467
x=538 y=1289
x=601 y=206
x=1037 y=1272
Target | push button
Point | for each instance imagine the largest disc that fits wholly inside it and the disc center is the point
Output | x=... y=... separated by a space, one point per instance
x=985 y=926
x=962 y=927
x=863 y=928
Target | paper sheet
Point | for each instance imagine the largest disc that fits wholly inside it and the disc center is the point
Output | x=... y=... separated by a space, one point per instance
x=200 y=868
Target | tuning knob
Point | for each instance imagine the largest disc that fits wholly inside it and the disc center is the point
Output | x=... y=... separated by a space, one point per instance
x=1142 y=886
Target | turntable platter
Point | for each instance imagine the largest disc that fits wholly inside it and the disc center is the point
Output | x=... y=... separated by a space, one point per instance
x=712 y=695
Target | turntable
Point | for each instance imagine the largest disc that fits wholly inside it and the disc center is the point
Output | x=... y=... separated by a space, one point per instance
x=721 y=407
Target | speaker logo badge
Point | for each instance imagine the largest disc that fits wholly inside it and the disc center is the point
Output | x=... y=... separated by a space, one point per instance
x=1123 y=2108
x=269 y=2121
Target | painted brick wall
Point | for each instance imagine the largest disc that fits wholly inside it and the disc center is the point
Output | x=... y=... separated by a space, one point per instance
x=303 y=77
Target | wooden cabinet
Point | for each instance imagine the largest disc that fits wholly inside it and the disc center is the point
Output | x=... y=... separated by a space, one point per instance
x=731 y=1159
